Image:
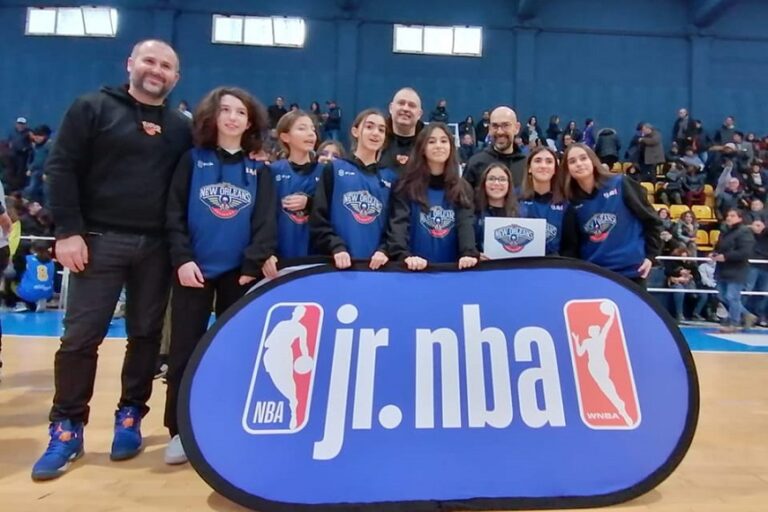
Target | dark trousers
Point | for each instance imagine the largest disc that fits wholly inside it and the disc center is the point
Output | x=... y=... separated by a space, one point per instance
x=141 y=264
x=5 y=257
x=190 y=313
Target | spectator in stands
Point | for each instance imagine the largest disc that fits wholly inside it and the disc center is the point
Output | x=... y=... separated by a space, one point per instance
x=652 y=152
x=683 y=130
x=634 y=152
x=565 y=141
x=691 y=158
x=440 y=114
x=330 y=150
x=532 y=134
x=701 y=140
x=693 y=185
x=317 y=118
x=589 y=133
x=504 y=128
x=6 y=226
x=685 y=231
x=184 y=108
x=466 y=149
x=673 y=154
x=682 y=275
x=467 y=126
x=553 y=130
x=573 y=131
x=333 y=122
x=762 y=153
x=608 y=146
x=403 y=125
x=666 y=220
x=609 y=221
x=36 y=272
x=20 y=147
x=744 y=149
x=631 y=171
x=757 y=280
x=707 y=274
x=722 y=167
x=42 y=139
x=109 y=176
x=523 y=148
x=757 y=181
x=730 y=199
x=671 y=191
x=732 y=252
x=294 y=107
x=276 y=111
x=726 y=131
x=756 y=211
x=481 y=129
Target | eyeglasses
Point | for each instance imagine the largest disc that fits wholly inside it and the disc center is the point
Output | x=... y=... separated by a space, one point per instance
x=503 y=126
x=497 y=179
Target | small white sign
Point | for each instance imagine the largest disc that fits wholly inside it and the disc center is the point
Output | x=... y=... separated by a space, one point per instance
x=509 y=237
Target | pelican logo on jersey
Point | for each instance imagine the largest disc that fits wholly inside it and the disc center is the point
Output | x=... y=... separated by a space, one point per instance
x=224 y=199
x=281 y=386
x=513 y=237
x=551 y=232
x=364 y=206
x=605 y=383
x=438 y=221
x=297 y=217
x=599 y=226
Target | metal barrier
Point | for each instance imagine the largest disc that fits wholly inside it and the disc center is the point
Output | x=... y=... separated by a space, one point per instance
x=696 y=290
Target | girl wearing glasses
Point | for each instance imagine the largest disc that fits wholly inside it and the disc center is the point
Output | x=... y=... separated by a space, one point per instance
x=494 y=197
x=609 y=221
x=542 y=196
x=432 y=218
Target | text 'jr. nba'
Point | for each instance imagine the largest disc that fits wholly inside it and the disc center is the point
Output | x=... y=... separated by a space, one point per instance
x=282 y=383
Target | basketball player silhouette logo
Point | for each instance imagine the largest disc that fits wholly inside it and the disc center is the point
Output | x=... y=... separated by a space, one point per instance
x=281 y=387
x=604 y=379
x=278 y=357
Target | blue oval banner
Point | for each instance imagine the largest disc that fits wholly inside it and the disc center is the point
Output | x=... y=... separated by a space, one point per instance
x=544 y=383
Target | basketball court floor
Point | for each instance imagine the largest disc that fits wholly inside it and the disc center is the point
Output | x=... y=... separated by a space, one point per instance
x=726 y=469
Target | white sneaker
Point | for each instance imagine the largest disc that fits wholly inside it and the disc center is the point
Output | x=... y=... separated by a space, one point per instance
x=174 y=452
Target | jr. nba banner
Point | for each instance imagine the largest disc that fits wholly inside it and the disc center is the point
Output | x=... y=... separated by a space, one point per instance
x=539 y=383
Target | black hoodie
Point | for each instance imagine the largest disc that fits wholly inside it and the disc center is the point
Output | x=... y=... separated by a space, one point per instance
x=515 y=162
x=111 y=165
x=397 y=149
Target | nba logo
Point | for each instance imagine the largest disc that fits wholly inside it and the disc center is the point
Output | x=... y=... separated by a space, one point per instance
x=281 y=386
x=604 y=381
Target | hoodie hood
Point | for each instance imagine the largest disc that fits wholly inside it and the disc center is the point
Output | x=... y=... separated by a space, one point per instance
x=606 y=132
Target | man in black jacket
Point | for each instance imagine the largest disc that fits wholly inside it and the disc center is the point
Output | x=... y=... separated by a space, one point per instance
x=503 y=129
x=109 y=173
x=732 y=253
x=403 y=125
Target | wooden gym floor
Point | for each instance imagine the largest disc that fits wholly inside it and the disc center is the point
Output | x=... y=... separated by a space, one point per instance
x=726 y=469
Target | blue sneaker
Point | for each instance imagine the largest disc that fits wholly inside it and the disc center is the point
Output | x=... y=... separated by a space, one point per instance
x=65 y=446
x=127 y=441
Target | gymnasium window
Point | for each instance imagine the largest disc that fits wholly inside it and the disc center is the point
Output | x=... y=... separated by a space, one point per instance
x=259 y=31
x=459 y=41
x=72 y=21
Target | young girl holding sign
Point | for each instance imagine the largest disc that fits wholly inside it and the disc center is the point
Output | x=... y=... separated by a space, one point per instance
x=494 y=197
x=351 y=207
x=432 y=218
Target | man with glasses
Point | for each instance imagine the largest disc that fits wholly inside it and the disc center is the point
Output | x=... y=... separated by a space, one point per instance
x=503 y=128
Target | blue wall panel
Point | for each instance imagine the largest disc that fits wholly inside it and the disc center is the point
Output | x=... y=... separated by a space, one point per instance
x=620 y=62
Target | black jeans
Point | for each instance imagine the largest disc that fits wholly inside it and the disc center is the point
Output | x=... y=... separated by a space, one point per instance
x=140 y=263
x=190 y=313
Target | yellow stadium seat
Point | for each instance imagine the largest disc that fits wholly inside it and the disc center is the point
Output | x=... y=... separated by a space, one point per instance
x=702 y=240
x=625 y=166
x=617 y=168
x=648 y=186
x=676 y=210
x=714 y=236
x=658 y=207
x=709 y=196
x=703 y=213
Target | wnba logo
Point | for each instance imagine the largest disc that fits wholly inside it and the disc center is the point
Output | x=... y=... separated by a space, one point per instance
x=604 y=381
x=281 y=386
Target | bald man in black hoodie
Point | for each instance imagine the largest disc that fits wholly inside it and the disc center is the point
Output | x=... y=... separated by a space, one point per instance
x=109 y=173
x=403 y=125
x=503 y=128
